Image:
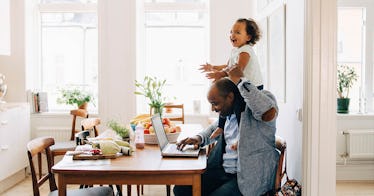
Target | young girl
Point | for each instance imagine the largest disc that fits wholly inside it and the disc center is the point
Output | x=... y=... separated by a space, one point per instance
x=244 y=34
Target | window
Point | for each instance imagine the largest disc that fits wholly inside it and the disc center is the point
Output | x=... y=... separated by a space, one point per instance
x=353 y=50
x=175 y=44
x=68 y=48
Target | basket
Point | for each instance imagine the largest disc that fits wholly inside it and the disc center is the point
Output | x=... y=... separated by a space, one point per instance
x=152 y=139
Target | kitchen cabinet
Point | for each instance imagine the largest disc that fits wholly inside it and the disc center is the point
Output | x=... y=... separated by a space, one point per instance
x=14 y=135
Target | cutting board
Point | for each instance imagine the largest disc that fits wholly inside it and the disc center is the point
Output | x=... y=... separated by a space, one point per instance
x=92 y=157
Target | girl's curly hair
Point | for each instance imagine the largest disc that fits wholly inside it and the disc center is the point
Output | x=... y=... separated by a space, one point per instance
x=252 y=29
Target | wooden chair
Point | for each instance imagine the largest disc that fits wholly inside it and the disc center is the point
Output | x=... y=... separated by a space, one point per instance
x=60 y=148
x=281 y=145
x=171 y=114
x=76 y=113
x=90 y=124
x=42 y=145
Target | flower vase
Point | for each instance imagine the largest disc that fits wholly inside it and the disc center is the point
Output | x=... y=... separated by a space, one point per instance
x=157 y=110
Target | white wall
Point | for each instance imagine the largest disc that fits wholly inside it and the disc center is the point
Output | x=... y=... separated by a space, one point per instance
x=13 y=66
x=289 y=127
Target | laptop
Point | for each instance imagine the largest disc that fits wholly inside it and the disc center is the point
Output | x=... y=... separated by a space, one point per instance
x=170 y=149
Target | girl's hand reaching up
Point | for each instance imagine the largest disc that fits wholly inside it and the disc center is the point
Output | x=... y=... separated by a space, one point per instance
x=216 y=75
x=206 y=67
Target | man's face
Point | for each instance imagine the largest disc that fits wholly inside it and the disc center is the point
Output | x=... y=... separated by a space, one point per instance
x=222 y=105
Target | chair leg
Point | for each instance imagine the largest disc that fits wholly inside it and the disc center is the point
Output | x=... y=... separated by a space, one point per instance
x=168 y=190
x=53 y=159
x=119 y=190
x=40 y=165
x=129 y=190
x=137 y=189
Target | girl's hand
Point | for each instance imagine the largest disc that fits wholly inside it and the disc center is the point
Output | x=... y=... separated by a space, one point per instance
x=206 y=67
x=235 y=73
x=216 y=75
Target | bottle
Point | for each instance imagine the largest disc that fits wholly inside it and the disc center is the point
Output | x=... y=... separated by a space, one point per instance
x=139 y=136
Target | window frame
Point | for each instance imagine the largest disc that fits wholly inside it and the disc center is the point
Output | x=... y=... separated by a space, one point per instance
x=149 y=7
x=366 y=82
x=41 y=8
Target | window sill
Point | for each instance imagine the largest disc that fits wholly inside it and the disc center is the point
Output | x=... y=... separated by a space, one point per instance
x=354 y=116
x=53 y=114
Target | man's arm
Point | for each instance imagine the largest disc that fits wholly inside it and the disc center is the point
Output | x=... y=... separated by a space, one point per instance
x=201 y=139
x=262 y=103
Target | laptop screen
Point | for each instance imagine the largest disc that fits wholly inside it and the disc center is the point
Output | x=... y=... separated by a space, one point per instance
x=159 y=130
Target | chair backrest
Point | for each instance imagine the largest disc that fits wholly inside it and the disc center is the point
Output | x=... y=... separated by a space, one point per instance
x=77 y=113
x=281 y=145
x=36 y=147
x=176 y=116
x=88 y=125
x=91 y=124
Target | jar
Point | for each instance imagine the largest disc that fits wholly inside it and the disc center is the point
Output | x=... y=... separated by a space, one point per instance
x=139 y=136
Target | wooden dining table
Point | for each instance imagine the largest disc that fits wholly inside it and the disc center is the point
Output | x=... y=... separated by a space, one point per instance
x=144 y=166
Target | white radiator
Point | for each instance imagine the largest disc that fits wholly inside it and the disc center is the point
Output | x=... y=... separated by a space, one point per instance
x=60 y=134
x=360 y=143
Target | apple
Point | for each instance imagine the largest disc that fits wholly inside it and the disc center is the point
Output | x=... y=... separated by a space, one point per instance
x=151 y=130
x=166 y=121
x=147 y=125
x=178 y=129
x=167 y=129
x=146 y=131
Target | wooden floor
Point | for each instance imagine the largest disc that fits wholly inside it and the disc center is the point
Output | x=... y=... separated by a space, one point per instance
x=24 y=188
x=354 y=188
x=343 y=188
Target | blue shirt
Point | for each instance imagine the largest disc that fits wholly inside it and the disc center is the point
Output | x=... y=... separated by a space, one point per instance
x=231 y=132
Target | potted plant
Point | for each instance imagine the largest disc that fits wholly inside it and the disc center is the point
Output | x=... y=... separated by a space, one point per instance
x=346 y=77
x=74 y=97
x=121 y=130
x=151 y=88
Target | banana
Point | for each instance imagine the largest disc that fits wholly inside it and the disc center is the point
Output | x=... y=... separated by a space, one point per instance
x=140 y=118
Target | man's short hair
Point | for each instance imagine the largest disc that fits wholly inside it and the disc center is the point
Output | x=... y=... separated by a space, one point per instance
x=226 y=86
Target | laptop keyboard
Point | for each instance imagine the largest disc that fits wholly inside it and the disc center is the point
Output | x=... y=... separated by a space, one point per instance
x=172 y=148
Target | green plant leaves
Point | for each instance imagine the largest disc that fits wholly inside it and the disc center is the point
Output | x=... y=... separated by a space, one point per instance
x=151 y=88
x=119 y=129
x=73 y=96
x=346 y=77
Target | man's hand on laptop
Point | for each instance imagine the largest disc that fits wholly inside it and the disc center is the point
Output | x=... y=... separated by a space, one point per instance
x=195 y=141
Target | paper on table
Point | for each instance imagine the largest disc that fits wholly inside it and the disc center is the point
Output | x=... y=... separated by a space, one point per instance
x=68 y=161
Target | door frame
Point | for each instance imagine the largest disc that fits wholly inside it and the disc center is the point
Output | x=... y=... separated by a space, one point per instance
x=319 y=122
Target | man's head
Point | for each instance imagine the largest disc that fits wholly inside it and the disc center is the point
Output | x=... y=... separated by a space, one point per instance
x=221 y=96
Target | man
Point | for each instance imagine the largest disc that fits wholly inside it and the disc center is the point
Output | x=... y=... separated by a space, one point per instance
x=250 y=118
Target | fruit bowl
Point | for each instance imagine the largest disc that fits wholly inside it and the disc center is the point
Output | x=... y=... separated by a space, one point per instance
x=152 y=139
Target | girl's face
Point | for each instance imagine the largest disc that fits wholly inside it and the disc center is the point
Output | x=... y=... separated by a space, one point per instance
x=238 y=35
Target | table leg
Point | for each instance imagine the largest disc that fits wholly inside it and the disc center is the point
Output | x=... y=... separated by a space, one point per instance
x=61 y=185
x=196 y=186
